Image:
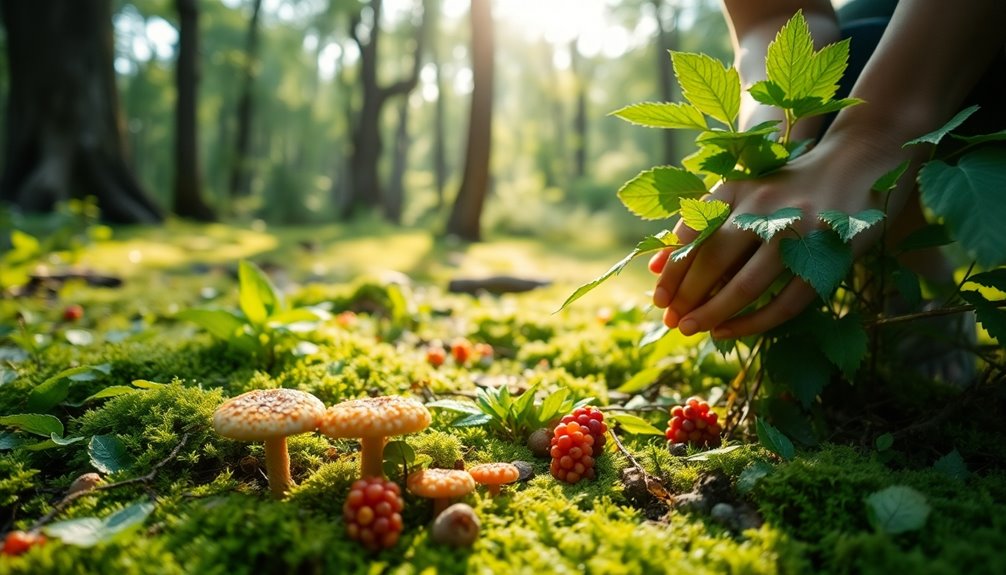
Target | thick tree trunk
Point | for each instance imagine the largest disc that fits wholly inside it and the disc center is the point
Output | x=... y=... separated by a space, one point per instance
x=465 y=220
x=666 y=41
x=439 y=139
x=188 y=198
x=240 y=183
x=64 y=131
x=395 y=198
x=367 y=144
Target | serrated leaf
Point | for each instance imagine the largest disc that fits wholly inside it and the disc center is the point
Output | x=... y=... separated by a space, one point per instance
x=952 y=465
x=762 y=156
x=889 y=181
x=774 y=440
x=50 y=392
x=708 y=85
x=108 y=454
x=826 y=69
x=928 y=236
x=820 y=258
x=788 y=61
x=884 y=442
x=769 y=93
x=810 y=107
x=992 y=318
x=258 y=297
x=36 y=423
x=798 y=364
x=848 y=226
x=221 y=324
x=897 y=509
x=663 y=115
x=752 y=474
x=972 y=140
x=908 y=286
x=89 y=531
x=633 y=424
x=844 y=342
x=768 y=226
x=454 y=405
x=703 y=217
x=648 y=244
x=707 y=455
x=110 y=391
x=993 y=278
x=655 y=193
x=970 y=198
x=935 y=136
x=711 y=160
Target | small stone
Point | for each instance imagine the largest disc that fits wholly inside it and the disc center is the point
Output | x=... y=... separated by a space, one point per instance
x=457 y=526
x=677 y=449
x=724 y=513
x=691 y=501
x=540 y=442
x=525 y=468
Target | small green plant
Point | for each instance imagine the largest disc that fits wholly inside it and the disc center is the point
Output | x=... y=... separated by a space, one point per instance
x=509 y=416
x=264 y=321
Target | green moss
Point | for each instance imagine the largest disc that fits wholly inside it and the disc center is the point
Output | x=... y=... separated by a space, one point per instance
x=443 y=448
x=609 y=355
x=15 y=478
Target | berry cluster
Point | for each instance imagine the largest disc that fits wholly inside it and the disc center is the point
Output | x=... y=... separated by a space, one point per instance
x=462 y=351
x=693 y=423
x=575 y=440
x=373 y=513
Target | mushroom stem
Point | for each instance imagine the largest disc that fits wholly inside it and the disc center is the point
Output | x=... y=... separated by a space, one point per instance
x=439 y=504
x=494 y=490
x=372 y=456
x=277 y=466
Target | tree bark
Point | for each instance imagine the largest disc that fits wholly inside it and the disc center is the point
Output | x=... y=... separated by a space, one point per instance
x=439 y=119
x=65 y=131
x=395 y=198
x=666 y=41
x=466 y=215
x=367 y=143
x=188 y=196
x=240 y=182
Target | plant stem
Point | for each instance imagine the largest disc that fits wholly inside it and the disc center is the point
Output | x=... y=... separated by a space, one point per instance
x=930 y=313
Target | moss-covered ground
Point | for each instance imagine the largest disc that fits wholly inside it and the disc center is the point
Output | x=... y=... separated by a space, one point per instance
x=210 y=509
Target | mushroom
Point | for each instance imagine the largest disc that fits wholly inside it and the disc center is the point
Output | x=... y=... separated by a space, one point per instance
x=441 y=485
x=270 y=415
x=493 y=475
x=373 y=419
x=457 y=526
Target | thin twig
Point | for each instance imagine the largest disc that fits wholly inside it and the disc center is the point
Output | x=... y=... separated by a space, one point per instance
x=930 y=313
x=70 y=498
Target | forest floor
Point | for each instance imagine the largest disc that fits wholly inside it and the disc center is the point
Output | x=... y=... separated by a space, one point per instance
x=910 y=479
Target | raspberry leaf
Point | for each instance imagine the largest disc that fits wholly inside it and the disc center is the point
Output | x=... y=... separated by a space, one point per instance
x=928 y=236
x=897 y=509
x=952 y=465
x=848 y=226
x=993 y=278
x=992 y=317
x=663 y=115
x=36 y=423
x=935 y=136
x=108 y=454
x=844 y=342
x=810 y=106
x=656 y=193
x=703 y=217
x=769 y=93
x=972 y=140
x=774 y=440
x=820 y=258
x=798 y=364
x=826 y=69
x=788 y=62
x=768 y=226
x=708 y=85
x=888 y=181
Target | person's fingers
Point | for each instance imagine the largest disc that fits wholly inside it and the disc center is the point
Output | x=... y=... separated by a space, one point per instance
x=670 y=318
x=792 y=300
x=745 y=287
x=721 y=255
x=658 y=261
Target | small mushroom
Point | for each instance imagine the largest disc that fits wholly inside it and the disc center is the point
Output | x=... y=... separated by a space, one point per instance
x=441 y=485
x=457 y=526
x=373 y=420
x=84 y=483
x=493 y=475
x=270 y=415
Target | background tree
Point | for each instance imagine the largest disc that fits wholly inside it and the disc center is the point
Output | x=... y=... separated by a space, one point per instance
x=240 y=182
x=64 y=132
x=188 y=196
x=465 y=220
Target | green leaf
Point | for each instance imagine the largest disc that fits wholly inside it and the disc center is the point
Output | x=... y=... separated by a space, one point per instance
x=711 y=160
x=399 y=452
x=844 y=342
x=992 y=318
x=849 y=226
x=524 y=406
x=55 y=389
x=897 y=509
x=768 y=226
x=707 y=455
x=474 y=420
x=935 y=136
x=655 y=194
x=110 y=391
x=993 y=278
x=972 y=140
x=221 y=324
x=633 y=424
x=299 y=315
x=37 y=423
x=888 y=181
x=773 y=440
x=703 y=217
x=826 y=70
x=761 y=156
x=641 y=380
x=928 y=236
x=62 y=441
x=752 y=474
x=820 y=258
x=788 y=61
x=952 y=465
x=108 y=454
x=454 y=405
x=797 y=363
x=884 y=442
x=810 y=107
x=663 y=115
x=259 y=298
x=971 y=198
x=769 y=93
x=648 y=244
x=552 y=406
x=908 y=286
x=710 y=86
x=144 y=384
x=90 y=531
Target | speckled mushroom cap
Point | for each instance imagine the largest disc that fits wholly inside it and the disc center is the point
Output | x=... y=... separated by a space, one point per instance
x=375 y=417
x=494 y=473
x=268 y=413
x=441 y=483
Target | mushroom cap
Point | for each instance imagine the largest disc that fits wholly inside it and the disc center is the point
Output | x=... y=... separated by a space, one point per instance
x=441 y=483
x=268 y=413
x=495 y=473
x=375 y=417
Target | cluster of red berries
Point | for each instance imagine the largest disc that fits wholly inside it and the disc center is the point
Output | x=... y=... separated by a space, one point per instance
x=693 y=423
x=575 y=440
x=373 y=512
x=17 y=542
x=462 y=350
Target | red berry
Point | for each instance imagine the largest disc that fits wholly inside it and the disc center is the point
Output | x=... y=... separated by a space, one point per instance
x=461 y=350
x=435 y=355
x=17 y=542
x=575 y=441
x=373 y=512
x=693 y=423
x=73 y=312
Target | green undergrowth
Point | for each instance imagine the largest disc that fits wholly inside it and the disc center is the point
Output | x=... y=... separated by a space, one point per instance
x=212 y=512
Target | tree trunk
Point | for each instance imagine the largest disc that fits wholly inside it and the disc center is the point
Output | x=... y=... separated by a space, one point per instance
x=65 y=132
x=240 y=184
x=367 y=145
x=580 y=78
x=439 y=139
x=467 y=212
x=395 y=198
x=666 y=41
x=188 y=197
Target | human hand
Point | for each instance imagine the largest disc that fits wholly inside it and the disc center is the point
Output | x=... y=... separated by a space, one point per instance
x=734 y=268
